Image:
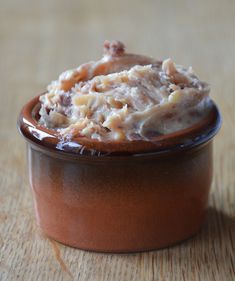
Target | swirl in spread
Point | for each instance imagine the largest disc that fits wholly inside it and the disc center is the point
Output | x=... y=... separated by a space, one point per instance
x=124 y=97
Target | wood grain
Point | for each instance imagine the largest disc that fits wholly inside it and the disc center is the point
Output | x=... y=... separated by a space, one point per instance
x=39 y=39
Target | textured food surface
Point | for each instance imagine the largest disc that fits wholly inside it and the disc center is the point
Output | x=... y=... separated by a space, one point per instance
x=124 y=97
x=39 y=39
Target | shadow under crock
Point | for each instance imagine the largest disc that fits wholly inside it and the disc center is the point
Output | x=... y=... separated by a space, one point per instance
x=203 y=253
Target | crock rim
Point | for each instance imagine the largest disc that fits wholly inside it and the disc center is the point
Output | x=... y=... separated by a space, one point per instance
x=48 y=139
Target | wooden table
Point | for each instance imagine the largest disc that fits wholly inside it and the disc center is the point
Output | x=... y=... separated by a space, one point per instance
x=39 y=39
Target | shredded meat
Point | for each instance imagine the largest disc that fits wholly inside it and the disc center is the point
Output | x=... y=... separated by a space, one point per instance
x=124 y=97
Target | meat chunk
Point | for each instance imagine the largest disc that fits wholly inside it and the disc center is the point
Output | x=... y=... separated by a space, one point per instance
x=114 y=48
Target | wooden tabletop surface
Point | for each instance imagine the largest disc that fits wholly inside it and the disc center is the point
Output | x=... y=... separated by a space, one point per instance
x=40 y=39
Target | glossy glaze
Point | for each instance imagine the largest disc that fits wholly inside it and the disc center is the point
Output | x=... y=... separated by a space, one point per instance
x=124 y=202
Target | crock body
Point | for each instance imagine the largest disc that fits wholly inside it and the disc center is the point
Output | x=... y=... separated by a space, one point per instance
x=120 y=204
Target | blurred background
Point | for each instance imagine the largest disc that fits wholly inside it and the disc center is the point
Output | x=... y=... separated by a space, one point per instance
x=39 y=40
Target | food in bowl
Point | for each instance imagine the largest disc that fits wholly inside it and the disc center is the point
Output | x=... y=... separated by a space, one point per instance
x=124 y=97
x=120 y=153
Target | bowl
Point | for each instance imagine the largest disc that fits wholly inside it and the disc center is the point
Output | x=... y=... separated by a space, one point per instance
x=119 y=197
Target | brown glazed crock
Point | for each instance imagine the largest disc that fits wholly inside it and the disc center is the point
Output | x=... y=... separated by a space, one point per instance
x=120 y=197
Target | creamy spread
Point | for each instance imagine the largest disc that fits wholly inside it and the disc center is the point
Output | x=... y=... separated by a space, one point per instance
x=124 y=97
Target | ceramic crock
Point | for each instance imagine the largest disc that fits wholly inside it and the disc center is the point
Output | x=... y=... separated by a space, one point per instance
x=119 y=197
